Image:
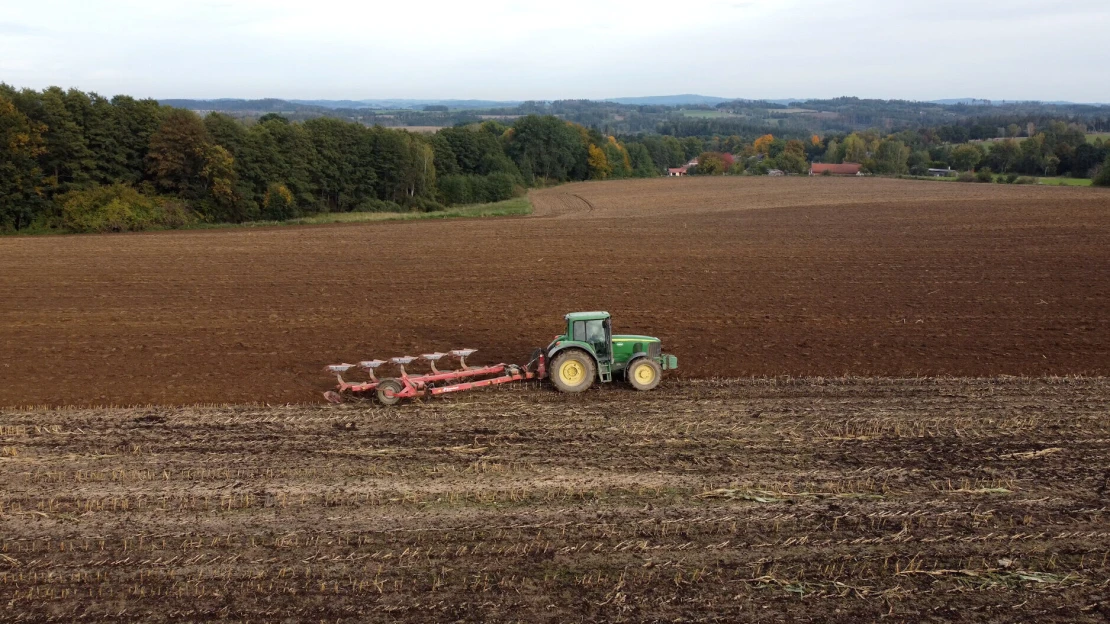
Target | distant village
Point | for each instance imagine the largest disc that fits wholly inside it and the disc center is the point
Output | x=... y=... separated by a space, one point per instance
x=815 y=169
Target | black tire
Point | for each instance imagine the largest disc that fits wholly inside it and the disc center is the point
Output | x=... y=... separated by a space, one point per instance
x=639 y=376
x=574 y=360
x=389 y=398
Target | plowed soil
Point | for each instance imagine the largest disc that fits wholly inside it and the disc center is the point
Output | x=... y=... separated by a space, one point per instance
x=845 y=501
x=739 y=276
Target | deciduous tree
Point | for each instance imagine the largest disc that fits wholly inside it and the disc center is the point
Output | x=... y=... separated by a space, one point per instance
x=21 y=144
x=598 y=163
x=965 y=157
x=762 y=145
x=892 y=156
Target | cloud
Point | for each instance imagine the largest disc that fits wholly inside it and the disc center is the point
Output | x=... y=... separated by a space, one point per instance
x=506 y=49
x=17 y=30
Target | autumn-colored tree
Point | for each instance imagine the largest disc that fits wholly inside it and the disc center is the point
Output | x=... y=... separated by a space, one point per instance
x=620 y=164
x=711 y=163
x=762 y=145
x=598 y=163
x=795 y=147
x=177 y=153
x=278 y=203
x=815 y=141
x=218 y=173
x=20 y=176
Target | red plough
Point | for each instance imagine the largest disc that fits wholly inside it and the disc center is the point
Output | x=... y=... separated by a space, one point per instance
x=391 y=390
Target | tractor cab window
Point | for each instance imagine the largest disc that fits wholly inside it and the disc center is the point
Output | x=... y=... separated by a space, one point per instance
x=596 y=333
x=596 y=336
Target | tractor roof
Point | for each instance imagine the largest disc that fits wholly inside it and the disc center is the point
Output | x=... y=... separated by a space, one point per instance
x=586 y=316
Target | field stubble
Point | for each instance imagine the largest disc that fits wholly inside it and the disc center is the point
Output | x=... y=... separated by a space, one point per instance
x=823 y=499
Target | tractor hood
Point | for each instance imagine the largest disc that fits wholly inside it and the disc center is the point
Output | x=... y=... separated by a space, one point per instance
x=633 y=338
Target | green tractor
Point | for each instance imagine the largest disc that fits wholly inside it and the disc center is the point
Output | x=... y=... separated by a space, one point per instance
x=589 y=351
x=586 y=353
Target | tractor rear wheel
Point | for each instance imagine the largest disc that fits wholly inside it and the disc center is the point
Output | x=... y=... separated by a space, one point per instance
x=644 y=374
x=572 y=370
x=387 y=392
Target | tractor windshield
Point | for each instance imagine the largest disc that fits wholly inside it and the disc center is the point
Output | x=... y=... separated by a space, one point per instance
x=598 y=337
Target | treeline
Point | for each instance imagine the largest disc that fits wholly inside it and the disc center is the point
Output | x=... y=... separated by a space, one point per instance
x=798 y=119
x=75 y=161
x=1059 y=148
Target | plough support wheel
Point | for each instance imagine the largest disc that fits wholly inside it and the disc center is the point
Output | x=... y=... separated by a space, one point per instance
x=387 y=392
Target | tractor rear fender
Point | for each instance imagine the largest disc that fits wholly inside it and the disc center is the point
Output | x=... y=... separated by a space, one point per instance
x=563 y=345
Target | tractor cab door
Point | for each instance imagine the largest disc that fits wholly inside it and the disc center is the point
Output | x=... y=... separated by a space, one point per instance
x=598 y=334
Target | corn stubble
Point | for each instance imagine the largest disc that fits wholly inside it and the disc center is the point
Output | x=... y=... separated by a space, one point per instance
x=823 y=499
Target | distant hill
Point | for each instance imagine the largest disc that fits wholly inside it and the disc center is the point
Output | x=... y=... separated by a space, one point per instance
x=966 y=101
x=671 y=100
x=979 y=102
x=407 y=104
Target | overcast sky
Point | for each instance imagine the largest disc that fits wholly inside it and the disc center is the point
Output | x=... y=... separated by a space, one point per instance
x=494 y=49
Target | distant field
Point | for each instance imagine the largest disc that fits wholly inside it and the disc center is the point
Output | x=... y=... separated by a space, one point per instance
x=705 y=114
x=1091 y=136
x=421 y=129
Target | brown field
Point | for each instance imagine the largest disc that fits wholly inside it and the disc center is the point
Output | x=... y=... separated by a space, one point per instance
x=821 y=500
x=739 y=276
x=844 y=496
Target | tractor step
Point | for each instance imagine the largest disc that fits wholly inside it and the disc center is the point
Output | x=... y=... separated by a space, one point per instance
x=605 y=369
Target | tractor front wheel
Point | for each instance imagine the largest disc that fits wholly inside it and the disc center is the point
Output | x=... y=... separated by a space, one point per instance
x=572 y=370
x=387 y=392
x=644 y=374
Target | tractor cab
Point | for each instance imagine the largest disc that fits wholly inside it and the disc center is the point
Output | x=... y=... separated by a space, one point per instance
x=589 y=351
x=594 y=329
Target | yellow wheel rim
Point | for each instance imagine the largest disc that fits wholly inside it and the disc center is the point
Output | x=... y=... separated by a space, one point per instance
x=572 y=372
x=644 y=374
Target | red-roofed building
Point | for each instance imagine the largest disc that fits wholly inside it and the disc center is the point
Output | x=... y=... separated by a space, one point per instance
x=846 y=169
x=674 y=172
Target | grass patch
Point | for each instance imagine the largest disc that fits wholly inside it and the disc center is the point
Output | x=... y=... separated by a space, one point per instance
x=510 y=207
x=923 y=178
x=1060 y=181
x=1064 y=181
x=1091 y=136
x=517 y=206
